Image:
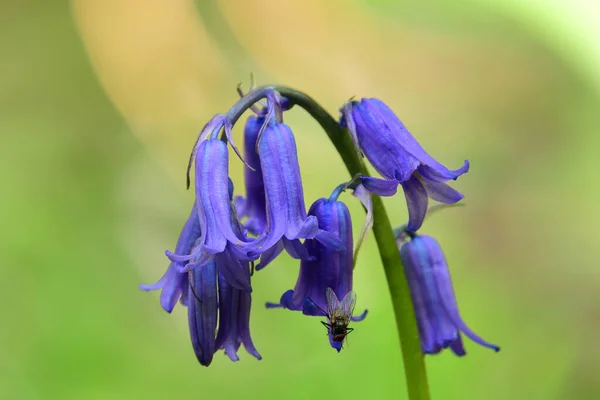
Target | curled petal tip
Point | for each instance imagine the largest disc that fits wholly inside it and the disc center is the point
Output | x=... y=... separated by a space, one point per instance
x=232 y=356
x=360 y=317
x=148 y=288
x=251 y=349
x=463 y=170
x=336 y=345
x=381 y=187
x=259 y=266
x=178 y=257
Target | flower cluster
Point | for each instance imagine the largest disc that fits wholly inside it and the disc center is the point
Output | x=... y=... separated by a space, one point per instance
x=211 y=266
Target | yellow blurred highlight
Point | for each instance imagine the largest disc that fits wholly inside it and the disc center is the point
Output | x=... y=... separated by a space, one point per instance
x=310 y=44
x=157 y=64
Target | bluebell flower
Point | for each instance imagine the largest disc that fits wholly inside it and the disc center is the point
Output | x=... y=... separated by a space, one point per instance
x=439 y=322
x=220 y=285
x=234 y=301
x=399 y=158
x=215 y=213
x=203 y=311
x=234 y=319
x=284 y=196
x=253 y=206
x=326 y=267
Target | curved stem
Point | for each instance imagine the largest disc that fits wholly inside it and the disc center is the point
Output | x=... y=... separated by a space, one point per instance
x=414 y=363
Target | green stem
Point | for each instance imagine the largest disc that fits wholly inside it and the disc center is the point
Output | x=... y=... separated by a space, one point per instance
x=414 y=363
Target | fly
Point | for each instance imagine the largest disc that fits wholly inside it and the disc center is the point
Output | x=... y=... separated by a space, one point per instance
x=339 y=314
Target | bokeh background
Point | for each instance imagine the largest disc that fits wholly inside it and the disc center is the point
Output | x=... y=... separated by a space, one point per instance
x=100 y=102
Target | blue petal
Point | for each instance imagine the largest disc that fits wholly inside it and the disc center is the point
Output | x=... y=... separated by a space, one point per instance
x=308 y=229
x=235 y=271
x=227 y=337
x=446 y=293
x=295 y=248
x=443 y=284
x=425 y=302
x=219 y=191
x=392 y=130
x=336 y=345
x=283 y=186
x=269 y=255
x=381 y=137
x=358 y=318
x=210 y=157
x=270 y=160
x=444 y=330
x=202 y=316
x=244 y=324
x=172 y=284
x=441 y=192
x=234 y=320
x=286 y=301
x=330 y=240
x=213 y=200
x=241 y=206
x=309 y=307
x=457 y=347
x=416 y=200
x=444 y=174
x=255 y=207
x=381 y=187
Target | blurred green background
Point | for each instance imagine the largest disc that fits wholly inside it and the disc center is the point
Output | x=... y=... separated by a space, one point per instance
x=101 y=101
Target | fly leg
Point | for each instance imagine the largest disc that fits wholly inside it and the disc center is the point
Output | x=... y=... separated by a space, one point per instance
x=327 y=325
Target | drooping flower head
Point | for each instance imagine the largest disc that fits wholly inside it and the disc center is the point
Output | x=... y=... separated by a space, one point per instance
x=213 y=201
x=253 y=206
x=286 y=219
x=203 y=311
x=234 y=320
x=399 y=158
x=326 y=267
x=207 y=288
x=439 y=322
x=211 y=293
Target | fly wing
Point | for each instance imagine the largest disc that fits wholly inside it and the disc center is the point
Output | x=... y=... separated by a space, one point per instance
x=332 y=301
x=347 y=305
